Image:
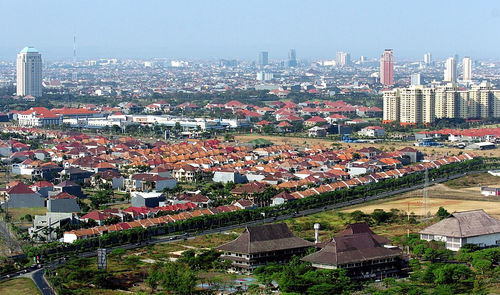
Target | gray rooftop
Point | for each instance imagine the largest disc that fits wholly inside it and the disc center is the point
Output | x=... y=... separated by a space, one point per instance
x=465 y=224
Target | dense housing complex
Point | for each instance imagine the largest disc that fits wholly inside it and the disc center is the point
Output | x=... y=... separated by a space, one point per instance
x=423 y=105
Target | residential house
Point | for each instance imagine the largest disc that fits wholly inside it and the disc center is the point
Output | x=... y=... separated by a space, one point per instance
x=21 y=196
x=150 y=200
x=109 y=178
x=42 y=187
x=225 y=176
x=186 y=173
x=69 y=187
x=63 y=202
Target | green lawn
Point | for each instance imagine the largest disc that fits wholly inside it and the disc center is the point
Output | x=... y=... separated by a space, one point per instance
x=19 y=286
x=17 y=213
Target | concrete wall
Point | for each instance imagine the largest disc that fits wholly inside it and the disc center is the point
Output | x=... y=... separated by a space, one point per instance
x=26 y=201
x=140 y=201
x=63 y=205
x=162 y=184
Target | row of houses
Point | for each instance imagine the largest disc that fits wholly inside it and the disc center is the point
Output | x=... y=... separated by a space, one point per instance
x=71 y=236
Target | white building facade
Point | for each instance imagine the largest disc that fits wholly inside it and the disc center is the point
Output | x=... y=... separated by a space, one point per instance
x=29 y=72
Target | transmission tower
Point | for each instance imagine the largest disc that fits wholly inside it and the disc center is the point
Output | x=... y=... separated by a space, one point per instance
x=425 y=201
x=74 y=74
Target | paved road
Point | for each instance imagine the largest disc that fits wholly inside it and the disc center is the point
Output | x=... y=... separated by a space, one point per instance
x=37 y=274
x=41 y=283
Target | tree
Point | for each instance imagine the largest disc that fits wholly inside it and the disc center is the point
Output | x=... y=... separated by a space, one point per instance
x=442 y=213
x=153 y=279
x=481 y=265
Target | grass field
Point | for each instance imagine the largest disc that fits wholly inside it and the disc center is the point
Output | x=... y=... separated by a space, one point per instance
x=19 y=286
x=474 y=181
x=17 y=213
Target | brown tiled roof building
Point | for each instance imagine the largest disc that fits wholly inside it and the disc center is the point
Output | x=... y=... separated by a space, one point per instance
x=259 y=245
x=360 y=252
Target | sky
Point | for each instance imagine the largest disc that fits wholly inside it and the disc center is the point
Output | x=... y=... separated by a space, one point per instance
x=203 y=29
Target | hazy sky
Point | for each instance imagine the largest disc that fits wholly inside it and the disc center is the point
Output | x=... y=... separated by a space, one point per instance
x=240 y=29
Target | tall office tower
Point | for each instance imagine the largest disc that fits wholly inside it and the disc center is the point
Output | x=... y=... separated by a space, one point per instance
x=292 y=58
x=450 y=71
x=391 y=106
x=415 y=79
x=29 y=72
x=263 y=59
x=343 y=59
x=427 y=58
x=387 y=68
x=362 y=59
x=467 y=69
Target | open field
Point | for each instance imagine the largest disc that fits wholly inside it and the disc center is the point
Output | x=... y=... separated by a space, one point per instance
x=19 y=286
x=415 y=205
x=474 y=181
x=387 y=146
x=17 y=213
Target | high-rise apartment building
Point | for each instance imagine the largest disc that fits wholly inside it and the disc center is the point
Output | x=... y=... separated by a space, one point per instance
x=467 y=69
x=419 y=104
x=29 y=72
x=292 y=58
x=263 y=59
x=391 y=106
x=387 y=68
x=450 y=70
x=343 y=59
x=415 y=79
x=410 y=111
x=427 y=58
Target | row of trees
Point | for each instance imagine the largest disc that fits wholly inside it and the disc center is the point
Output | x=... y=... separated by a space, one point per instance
x=204 y=222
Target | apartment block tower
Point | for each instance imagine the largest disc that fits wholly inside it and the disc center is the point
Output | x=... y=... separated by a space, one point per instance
x=387 y=68
x=29 y=72
x=467 y=69
x=450 y=70
x=423 y=105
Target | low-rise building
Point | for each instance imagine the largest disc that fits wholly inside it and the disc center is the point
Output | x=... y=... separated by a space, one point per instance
x=63 y=202
x=21 y=196
x=150 y=200
x=467 y=227
x=372 y=131
x=490 y=191
x=362 y=253
x=263 y=244
x=225 y=176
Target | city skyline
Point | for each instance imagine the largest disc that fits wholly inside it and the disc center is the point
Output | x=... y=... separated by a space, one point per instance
x=186 y=30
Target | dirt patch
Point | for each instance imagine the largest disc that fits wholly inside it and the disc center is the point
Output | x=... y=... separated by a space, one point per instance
x=416 y=206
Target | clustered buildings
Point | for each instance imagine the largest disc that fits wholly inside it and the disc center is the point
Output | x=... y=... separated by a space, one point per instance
x=423 y=105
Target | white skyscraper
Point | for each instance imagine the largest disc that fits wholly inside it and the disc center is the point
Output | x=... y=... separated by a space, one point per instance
x=450 y=71
x=467 y=69
x=29 y=72
x=427 y=58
